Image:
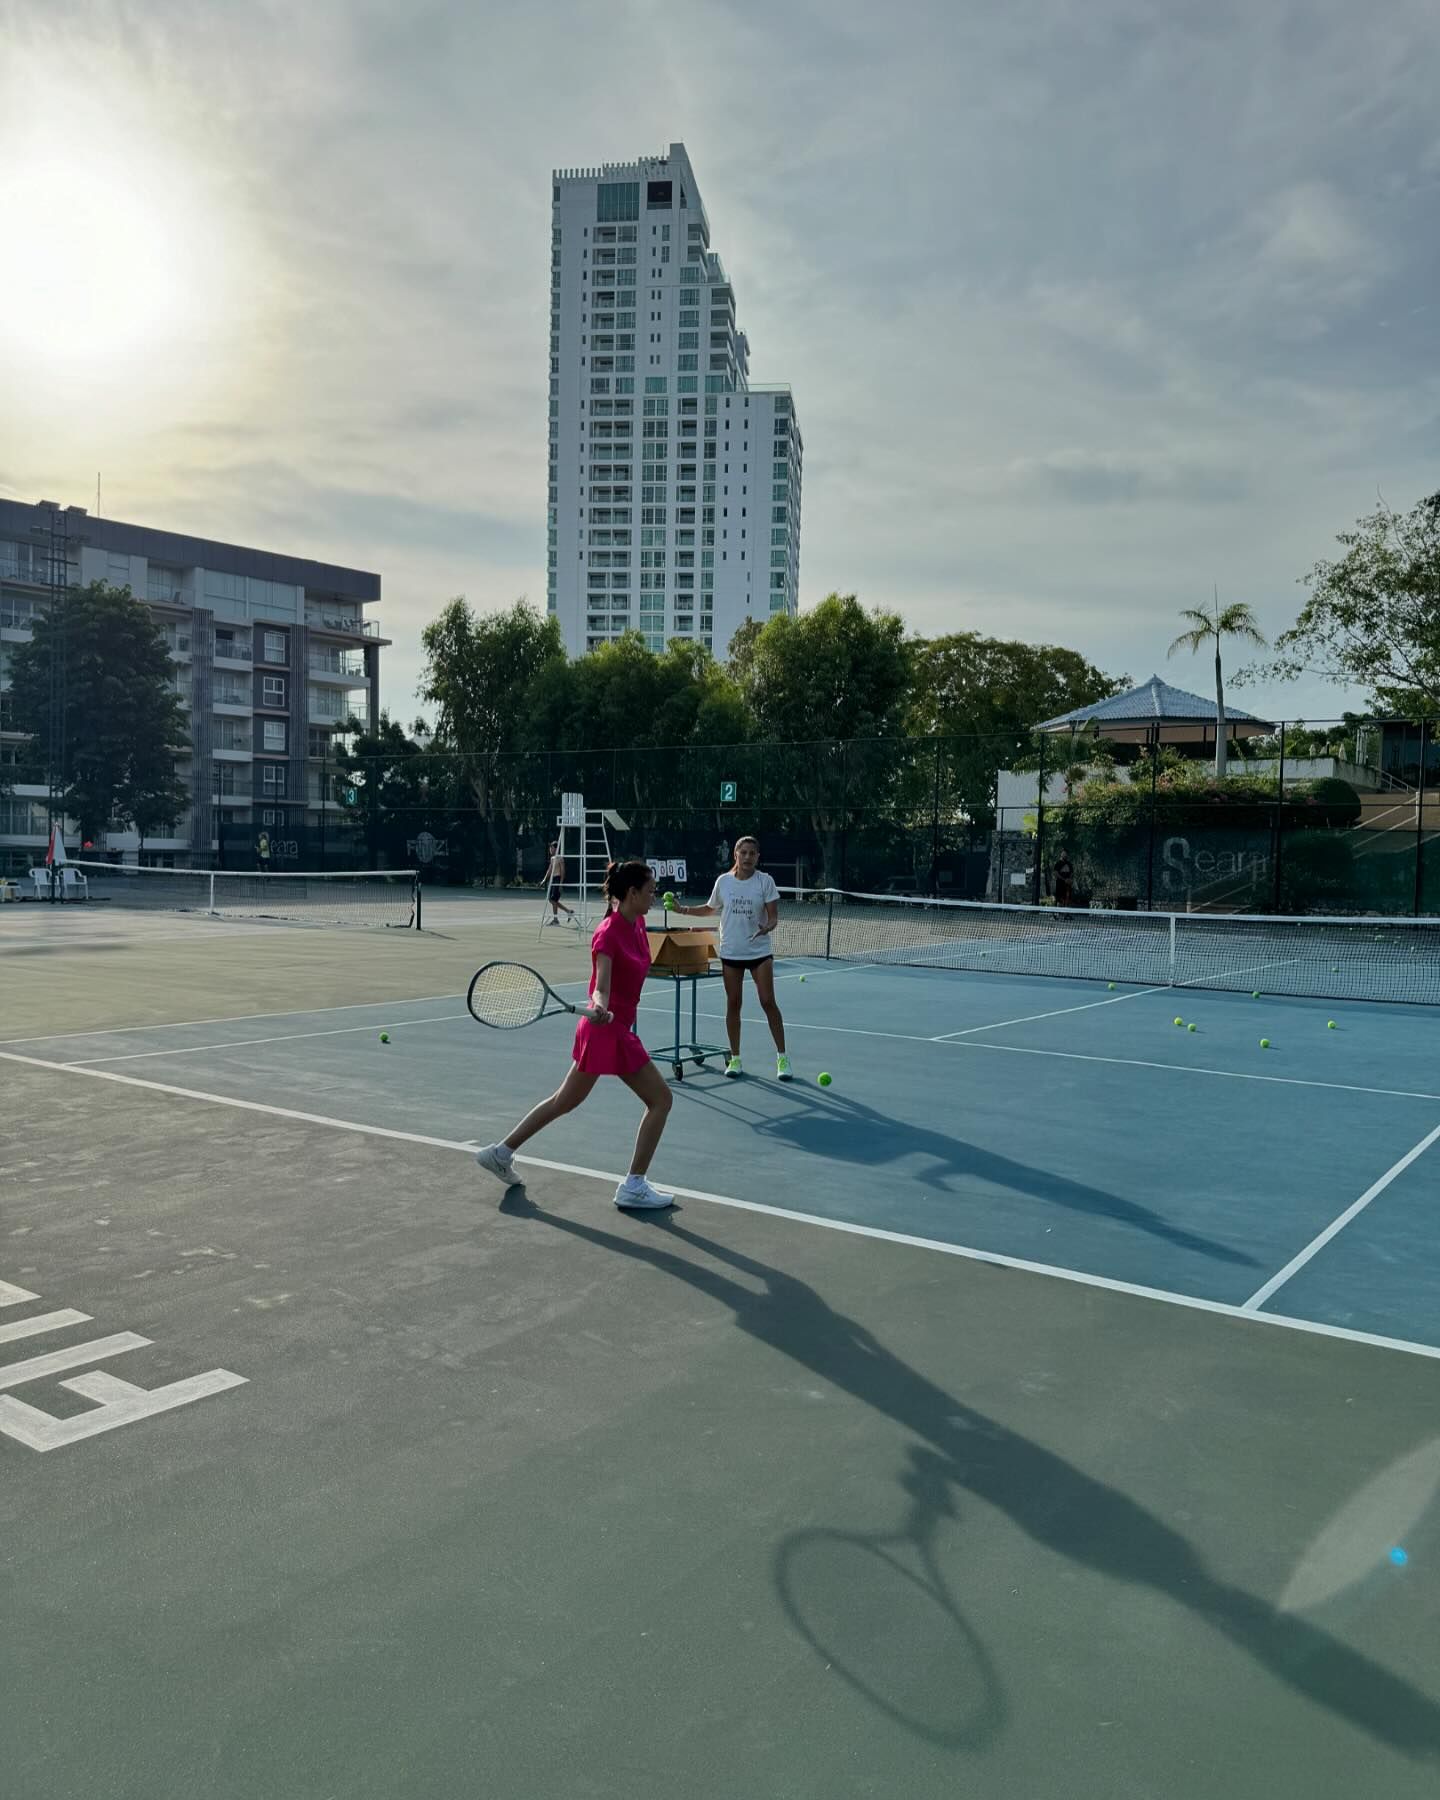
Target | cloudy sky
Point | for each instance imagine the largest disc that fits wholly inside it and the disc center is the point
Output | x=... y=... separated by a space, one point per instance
x=1087 y=304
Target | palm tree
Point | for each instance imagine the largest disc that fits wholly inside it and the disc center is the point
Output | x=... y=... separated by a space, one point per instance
x=1236 y=620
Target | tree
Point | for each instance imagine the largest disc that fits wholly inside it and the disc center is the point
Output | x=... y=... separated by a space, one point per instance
x=1235 y=620
x=985 y=695
x=1373 y=617
x=399 y=790
x=479 y=673
x=834 y=672
x=624 y=695
x=123 y=721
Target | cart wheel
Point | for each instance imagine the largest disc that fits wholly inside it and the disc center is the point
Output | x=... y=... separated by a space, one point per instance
x=700 y=1062
x=679 y=1069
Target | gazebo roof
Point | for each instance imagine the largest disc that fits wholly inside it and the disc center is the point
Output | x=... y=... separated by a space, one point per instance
x=1154 y=702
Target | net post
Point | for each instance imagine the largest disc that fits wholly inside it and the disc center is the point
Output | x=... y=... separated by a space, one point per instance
x=1039 y=886
x=211 y=907
x=1279 y=823
x=829 y=920
x=1172 y=949
x=1420 y=823
x=416 y=879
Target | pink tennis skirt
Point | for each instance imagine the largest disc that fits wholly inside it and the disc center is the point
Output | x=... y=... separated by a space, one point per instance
x=608 y=1049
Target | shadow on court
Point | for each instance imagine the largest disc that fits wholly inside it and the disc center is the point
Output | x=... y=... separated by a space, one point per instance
x=1053 y=1502
x=829 y=1124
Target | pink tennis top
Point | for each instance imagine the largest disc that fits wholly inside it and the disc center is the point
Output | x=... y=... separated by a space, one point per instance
x=614 y=1049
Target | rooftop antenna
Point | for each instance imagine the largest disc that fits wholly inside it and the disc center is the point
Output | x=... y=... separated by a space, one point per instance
x=97 y=493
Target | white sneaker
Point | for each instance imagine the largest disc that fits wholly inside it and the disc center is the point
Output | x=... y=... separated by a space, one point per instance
x=636 y=1193
x=496 y=1160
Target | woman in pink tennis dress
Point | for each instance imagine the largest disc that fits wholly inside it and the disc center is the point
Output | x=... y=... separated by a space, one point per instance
x=605 y=1043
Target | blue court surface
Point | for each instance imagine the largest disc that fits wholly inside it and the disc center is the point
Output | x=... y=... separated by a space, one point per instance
x=1063 y=1125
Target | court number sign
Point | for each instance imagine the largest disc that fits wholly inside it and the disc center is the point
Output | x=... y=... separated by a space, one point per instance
x=729 y=792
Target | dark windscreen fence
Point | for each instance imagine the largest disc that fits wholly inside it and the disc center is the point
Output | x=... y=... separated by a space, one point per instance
x=1381 y=958
x=367 y=898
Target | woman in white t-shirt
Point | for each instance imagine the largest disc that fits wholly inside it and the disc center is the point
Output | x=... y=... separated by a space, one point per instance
x=748 y=902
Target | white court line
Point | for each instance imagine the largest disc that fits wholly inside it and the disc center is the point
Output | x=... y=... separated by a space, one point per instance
x=1190 y=1302
x=296 y=1012
x=959 y=1042
x=1059 y=1013
x=289 y=1037
x=1316 y=1244
x=1136 y=1062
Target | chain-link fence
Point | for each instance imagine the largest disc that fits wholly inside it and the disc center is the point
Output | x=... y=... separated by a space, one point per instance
x=1340 y=818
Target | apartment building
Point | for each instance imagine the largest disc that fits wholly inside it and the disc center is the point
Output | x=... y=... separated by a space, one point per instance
x=674 y=482
x=272 y=655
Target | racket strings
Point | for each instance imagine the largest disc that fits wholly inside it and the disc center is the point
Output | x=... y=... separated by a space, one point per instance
x=507 y=995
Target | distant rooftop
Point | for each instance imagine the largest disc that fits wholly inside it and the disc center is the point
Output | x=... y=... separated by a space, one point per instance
x=175 y=548
x=1153 y=702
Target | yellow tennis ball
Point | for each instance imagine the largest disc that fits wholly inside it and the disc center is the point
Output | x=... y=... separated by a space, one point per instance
x=384 y=1037
x=1329 y=1024
x=823 y=1079
x=1264 y=1043
x=1189 y=1027
x=1179 y=1021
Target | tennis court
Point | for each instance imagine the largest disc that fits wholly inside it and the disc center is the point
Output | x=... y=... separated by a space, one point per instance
x=1045 y=1405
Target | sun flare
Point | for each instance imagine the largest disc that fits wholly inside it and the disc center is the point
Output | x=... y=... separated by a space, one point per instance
x=96 y=267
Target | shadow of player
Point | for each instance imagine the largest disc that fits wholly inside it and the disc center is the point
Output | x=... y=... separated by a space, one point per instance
x=824 y=1123
x=1058 y=1505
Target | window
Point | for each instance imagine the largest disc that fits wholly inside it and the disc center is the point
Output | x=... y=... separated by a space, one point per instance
x=273 y=779
x=688 y=340
x=274 y=736
x=777 y=515
x=272 y=690
x=659 y=194
x=275 y=647
x=654 y=384
x=318 y=743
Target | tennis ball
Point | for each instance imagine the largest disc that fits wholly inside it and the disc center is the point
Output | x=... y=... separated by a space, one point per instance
x=823 y=1079
x=1264 y=1043
x=1189 y=1027
x=667 y=901
x=1256 y=994
x=802 y=978
x=1111 y=986
x=1329 y=1024
x=1179 y=1021
x=384 y=1037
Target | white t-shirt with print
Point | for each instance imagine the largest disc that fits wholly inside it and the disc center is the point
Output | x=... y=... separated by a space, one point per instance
x=741 y=905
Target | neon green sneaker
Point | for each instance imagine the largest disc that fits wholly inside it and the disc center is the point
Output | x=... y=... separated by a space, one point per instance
x=732 y=1068
x=782 y=1068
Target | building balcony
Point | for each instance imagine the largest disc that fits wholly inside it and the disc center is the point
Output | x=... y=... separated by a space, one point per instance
x=346 y=671
x=232 y=753
x=231 y=706
x=342 y=624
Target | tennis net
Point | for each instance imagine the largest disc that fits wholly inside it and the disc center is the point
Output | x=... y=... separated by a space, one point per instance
x=386 y=897
x=1324 y=958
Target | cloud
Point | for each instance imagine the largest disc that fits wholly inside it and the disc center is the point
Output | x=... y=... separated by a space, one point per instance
x=1084 y=307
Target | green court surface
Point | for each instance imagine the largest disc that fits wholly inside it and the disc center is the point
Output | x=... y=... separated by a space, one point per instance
x=1033 y=1413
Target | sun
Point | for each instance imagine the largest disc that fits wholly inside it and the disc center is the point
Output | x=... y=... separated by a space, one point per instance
x=95 y=266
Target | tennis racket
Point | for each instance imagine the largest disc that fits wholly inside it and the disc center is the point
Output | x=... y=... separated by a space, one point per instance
x=506 y=995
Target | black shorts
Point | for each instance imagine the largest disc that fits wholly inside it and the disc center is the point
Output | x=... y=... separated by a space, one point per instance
x=555 y=894
x=745 y=962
